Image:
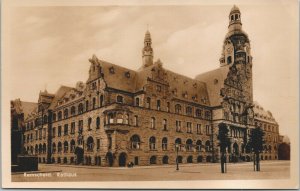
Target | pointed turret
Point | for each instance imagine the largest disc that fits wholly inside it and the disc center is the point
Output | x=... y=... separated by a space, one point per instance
x=235 y=22
x=147 y=50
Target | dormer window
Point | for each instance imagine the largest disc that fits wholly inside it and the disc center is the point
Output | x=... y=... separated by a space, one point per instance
x=120 y=99
x=127 y=74
x=112 y=70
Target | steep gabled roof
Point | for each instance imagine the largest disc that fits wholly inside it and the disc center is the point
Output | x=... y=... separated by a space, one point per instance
x=214 y=82
x=58 y=95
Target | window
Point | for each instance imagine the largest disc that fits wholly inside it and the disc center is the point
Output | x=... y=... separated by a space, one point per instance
x=72 y=146
x=119 y=99
x=59 y=147
x=119 y=118
x=80 y=108
x=178 y=126
x=135 y=142
x=73 y=110
x=98 y=123
x=189 y=145
x=86 y=105
x=152 y=123
x=152 y=142
x=153 y=160
x=66 y=147
x=101 y=100
x=198 y=113
x=158 y=104
x=110 y=118
x=45 y=119
x=164 y=144
x=158 y=88
x=94 y=103
x=135 y=120
x=198 y=145
x=137 y=101
x=229 y=60
x=53 y=148
x=199 y=129
x=66 y=129
x=126 y=117
x=54 y=116
x=189 y=111
x=207 y=146
x=168 y=106
x=90 y=144
x=59 y=115
x=178 y=144
x=66 y=113
x=72 y=127
x=148 y=103
x=89 y=123
x=189 y=127
x=165 y=125
x=207 y=115
x=98 y=144
x=232 y=17
x=177 y=108
x=207 y=130
x=59 y=131
x=80 y=126
x=53 y=132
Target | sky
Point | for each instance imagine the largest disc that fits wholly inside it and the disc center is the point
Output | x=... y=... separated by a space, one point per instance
x=49 y=46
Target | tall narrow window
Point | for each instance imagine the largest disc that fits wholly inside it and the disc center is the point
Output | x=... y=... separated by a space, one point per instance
x=148 y=103
x=152 y=122
x=199 y=129
x=86 y=105
x=89 y=123
x=165 y=126
x=101 y=101
x=158 y=104
x=66 y=129
x=66 y=112
x=137 y=101
x=53 y=132
x=98 y=144
x=168 y=106
x=178 y=109
x=207 y=130
x=98 y=122
x=135 y=120
x=178 y=126
x=72 y=127
x=94 y=103
x=164 y=143
x=59 y=131
x=152 y=142
x=189 y=127
x=229 y=60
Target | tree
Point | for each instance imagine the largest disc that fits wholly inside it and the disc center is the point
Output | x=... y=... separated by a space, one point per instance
x=256 y=141
x=224 y=142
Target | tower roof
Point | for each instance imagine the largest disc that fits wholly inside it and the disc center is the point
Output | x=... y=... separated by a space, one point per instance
x=234 y=9
x=147 y=36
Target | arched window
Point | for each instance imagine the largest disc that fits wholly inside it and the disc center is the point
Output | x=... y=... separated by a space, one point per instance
x=73 y=110
x=80 y=108
x=120 y=99
x=189 y=145
x=165 y=160
x=152 y=142
x=135 y=142
x=59 y=115
x=178 y=108
x=86 y=105
x=98 y=122
x=232 y=17
x=137 y=101
x=229 y=60
x=66 y=147
x=66 y=113
x=165 y=143
x=198 y=145
x=120 y=118
x=178 y=144
x=59 y=147
x=165 y=125
x=44 y=148
x=72 y=146
x=89 y=123
x=101 y=100
x=53 y=147
x=189 y=111
x=90 y=144
x=207 y=146
x=152 y=123
x=189 y=159
x=153 y=160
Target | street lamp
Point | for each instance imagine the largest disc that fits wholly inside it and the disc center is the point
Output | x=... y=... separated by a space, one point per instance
x=177 y=148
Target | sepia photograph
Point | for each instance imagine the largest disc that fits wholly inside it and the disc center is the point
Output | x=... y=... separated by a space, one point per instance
x=150 y=94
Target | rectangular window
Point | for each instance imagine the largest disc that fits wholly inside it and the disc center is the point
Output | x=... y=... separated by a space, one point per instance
x=178 y=126
x=165 y=125
x=80 y=126
x=207 y=130
x=135 y=120
x=148 y=103
x=40 y=134
x=53 y=132
x=72 y=127
x=66 y=129
x=158 y=104
x=199 y=129
x=36 y=135
x=59 y=131
x=158 y=88
x=98 y=144
x=189 y=127
x=44 y=133
x=168 y=106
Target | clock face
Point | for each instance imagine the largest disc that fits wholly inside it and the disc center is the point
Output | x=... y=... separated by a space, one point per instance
x=229 y=50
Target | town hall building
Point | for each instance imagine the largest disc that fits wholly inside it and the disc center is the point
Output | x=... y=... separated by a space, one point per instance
x=151 y=115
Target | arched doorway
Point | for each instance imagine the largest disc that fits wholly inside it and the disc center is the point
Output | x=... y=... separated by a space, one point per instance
x=109 y=158
x=79 y=155
x=189 y=159
x=199 y=159
x=122 y=159
x=235 y=148
x=208 y=159
x=248 y=158
x=165 y=160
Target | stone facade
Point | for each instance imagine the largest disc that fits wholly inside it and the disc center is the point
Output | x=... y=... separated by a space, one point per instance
x=152 y=115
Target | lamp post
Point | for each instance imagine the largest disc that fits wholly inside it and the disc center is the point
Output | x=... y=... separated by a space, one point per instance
x=177 y=148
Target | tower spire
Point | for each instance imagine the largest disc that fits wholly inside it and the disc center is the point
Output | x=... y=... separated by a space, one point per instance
x=147 y=50
x=235 y=22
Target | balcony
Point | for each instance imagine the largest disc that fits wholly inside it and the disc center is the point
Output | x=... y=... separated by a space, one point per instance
x=117 y=127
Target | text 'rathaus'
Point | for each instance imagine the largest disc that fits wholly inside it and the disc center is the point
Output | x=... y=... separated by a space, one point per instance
x=149 y=116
